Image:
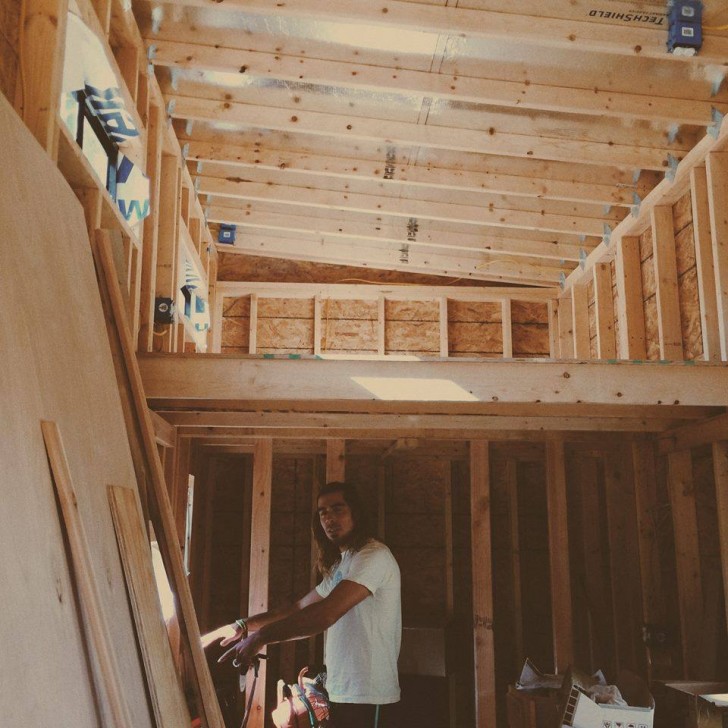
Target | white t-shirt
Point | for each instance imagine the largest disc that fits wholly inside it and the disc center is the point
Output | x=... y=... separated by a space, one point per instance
x=362 y=648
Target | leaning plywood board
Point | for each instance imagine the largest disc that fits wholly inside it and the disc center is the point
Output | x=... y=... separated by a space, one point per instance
x=164 y=688
x=56 y=366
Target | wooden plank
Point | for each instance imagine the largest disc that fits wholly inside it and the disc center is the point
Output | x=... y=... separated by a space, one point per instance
x=444 y=343
x=485 y=692
x=160 y=508
x=507 y=329
x=695 y=435
x=164 y=433
x=645 y=482
x=317 y=328
x=625 y=574
x=604 y=308
x=559 y=555
x=167 y=697
x=260 y=561
x=717 y=167
x=430 y=136
x=720 y=472
x=512 y=487
x=335 y=461
x=381 y=325
x=630 y=310
x=704 y=264
x=553 y=318
x=296 y=380
x=580 y=313
x=109 y=677
x=666 y=288
x=565 y=314
x=41 y=56
x=253 y=323
x=687 y=558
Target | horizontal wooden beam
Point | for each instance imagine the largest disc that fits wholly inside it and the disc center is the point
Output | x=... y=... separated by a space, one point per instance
x=306 y=68
x=165 y=433
x=353 y=128
x=606 y=35
x=221 y=377
x=696 y=434
x=225 y=424
x=536 y=184
x=405 y=258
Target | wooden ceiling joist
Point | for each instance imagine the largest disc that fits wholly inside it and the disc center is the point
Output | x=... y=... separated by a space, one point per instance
x=575 y=30
x=494 y=92
x=488 y=214
x=441 y=137
x=259 y=157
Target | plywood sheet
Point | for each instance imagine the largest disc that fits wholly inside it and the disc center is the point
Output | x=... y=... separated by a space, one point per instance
x=239 y=307
x=235 y=333
x=351 y=309
x=349 y=335
x=529 y=312
x=685 y=249
x=682 y=212
x=412 y=311
x=295 y=308
x=692 y=330
x=652 y=338
x=9 y=25
x=530 y=340
x=475 y=311
x=412 y=336
x=57 y=366
x=475 y=339
x=278 y=334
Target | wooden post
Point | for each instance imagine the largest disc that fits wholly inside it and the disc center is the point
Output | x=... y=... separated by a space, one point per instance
x=645 y=486
x=580 y=312
x=260 y=560
x=38 y=96
x=253 y=323
x=625 y=574
x=604 y=311
x=720 y=472
x=666 y=287
x=704 y=264
x=151 y=230
x=718 y=201
x=565 y=315
x=485 y=698
x=553 y=329
x=449 y=589
x=381 y=326
x=444 y=339
x=559 y=554
x=317 y=324
x=687 y=556
x=208 y=532
x=507 y=328
x=335 y=460
x=630 y=307
x=512 y=487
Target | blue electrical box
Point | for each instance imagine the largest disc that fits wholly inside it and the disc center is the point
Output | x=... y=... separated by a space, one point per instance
x=226 y=234
x=684 y=34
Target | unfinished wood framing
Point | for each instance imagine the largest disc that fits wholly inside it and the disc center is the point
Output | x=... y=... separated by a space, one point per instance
x=604 y=312
x=559 y=555
x=720 y=473
x=485 y=697
x=687 y=555
x=718 y=202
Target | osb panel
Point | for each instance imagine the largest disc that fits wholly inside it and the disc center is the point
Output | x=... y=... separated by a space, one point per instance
x=236 y=332
x=682 y=212
x=474 y=311
x=411 y=311
x=476 y=354
x=692 y=331
x=648 y=278
x=529 y=312
x=530 y=340
x=590 y=292
x=234 y=349
x=685 y=249
x=404 y=336
x=349 y=334
x=646 y=244
x=652 y=335
x=236 y=306
x=260 y=269
x=334 y=309
x=285 y=334
x=475 y=338
x=285 y=308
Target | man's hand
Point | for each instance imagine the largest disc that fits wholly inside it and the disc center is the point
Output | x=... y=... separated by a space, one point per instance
x=243 y=651
x=227 y=633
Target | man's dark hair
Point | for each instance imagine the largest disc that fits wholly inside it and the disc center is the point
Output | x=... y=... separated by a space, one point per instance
x=328 y=552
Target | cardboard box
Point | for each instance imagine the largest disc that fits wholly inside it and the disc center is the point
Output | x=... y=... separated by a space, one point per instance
x=698 y=704
x=582 y=712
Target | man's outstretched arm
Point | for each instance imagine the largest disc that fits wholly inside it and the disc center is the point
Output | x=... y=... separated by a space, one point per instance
x=312 y=619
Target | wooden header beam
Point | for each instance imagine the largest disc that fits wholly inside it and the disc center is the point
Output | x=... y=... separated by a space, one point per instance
x=228 y=378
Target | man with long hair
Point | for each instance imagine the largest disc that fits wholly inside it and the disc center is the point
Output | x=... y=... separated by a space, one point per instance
x=358 y=603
